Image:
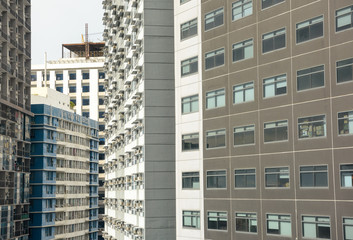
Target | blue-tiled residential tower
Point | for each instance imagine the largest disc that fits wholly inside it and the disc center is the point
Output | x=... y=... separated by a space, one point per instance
x=64 y=175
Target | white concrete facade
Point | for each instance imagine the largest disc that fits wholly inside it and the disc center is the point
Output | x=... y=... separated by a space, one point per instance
x=188 y=123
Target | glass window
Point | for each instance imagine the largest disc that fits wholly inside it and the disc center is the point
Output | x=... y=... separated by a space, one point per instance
x=72 y=89
x=274 y=40
x=59 y=89
x=85 y=114
x=191 y=219
x=279 y=224
x=34 y=77
x=190 y=142
x=269 y=3
x=348 y=228
x=190 y=180
x=313 y=176
x=243 y=50
x=101 y=141
x=215 y=99
x=101 y=88
x=346 y=171
x=275 y=86
x=189 y=66
x=214 y=19
x=344 y=18
x=101 y=75
x=59 y=76
x=310 y=78
x=345 y=123
x=316 y=227
x=277 y=177
x=85 y=88
x=217 y=220
x=276 y=131
x=217 y=179
x=344 y=70
x=310 y=29
x=190 y=104
x=100 y=114
x=241 y=9
x=214 y=59
x=243 y=93
x=216 y=138
x=72 y=76
x=101 y=127
x=245 y=178
x=246 y=222
x=100 y=101
x=188 y=29
x=85 y=101
x=244 y=135
x=310 y=127
x=85 y=75
x=183 y=1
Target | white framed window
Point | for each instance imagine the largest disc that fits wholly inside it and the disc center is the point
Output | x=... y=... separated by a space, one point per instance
x=190 y=142
x=216 y=138
x=214 y=59
x=344 y=18
x=217 y=179
x=311 y=127
x=190 y=104
x=191 y=219
x=245 y=178
x=308 y=78
x=243 y=93
x=214 y=19
x=346 y=173
x=310 y=29
x=243 y=50
x=244 y=135
x=241 y=9
x=313 y=176
x=217 y=221
x=348 y=228
x=277 y=177
x=345 y=123
x=215 y=98
x=274 y=40
x=188 y=29
x=276 y=131
x=189 y=66
x=246 y=222
x=275 y=86
x=279 y=224
x=344 y=69
x=316 y=227
x=190 y=180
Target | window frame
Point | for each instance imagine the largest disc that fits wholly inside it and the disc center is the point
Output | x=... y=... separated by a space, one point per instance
x=272 y=5
x=346 y=224
x=215 y=53
x=192 y=135
x=217 y=130
x=218 y=217
x=310 y=122
x=246 y=174
x=276 y=131
x=316 y=222
x=189 y=102
x=348 y=13
x=349 y=119
x=244 y=128
x=217 y=175
x=346 y=171
x=313 y=172
x=243 y=2
x=345 y=65
x=214 y=12
x=193 y=217
x=191 y=177
x=191 y=26
x=311 y=73
x=190 y=63
x=248 y=218
x=279 y=221
x=278 y=79
x=216 y=94
x=243 y=90
x=243 y=45
x=279 y=173
x=310 y=24
x=275 y=33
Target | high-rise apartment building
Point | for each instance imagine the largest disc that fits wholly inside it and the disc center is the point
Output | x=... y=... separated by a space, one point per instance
x=15 y=106
x=64 y=170
x=79 y=73
x=140 y=125
x=264 y=136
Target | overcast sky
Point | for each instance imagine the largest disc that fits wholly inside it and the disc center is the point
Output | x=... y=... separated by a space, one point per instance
x=56 y=22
